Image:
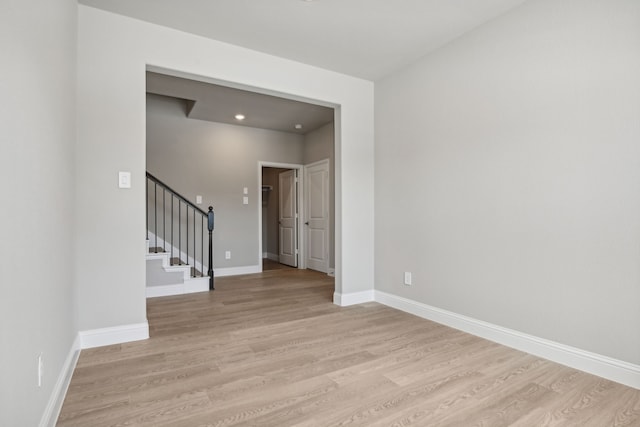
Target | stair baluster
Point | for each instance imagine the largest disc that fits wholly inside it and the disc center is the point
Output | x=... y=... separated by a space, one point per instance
x=183 y=230
x=210 y=227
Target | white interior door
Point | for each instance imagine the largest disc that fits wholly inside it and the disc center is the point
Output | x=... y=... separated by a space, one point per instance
x=288 y=216
x=316 y=212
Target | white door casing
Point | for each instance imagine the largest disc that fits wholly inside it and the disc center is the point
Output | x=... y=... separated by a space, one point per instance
x=316 y=213
x=288 y=216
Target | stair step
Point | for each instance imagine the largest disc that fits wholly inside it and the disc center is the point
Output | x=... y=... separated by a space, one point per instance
x=194 y=272
x=175 y=262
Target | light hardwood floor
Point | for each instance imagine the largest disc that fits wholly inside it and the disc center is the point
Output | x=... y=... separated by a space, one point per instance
x=272 y=350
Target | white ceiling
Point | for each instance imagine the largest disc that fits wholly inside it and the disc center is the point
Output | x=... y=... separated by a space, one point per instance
x=362 y=38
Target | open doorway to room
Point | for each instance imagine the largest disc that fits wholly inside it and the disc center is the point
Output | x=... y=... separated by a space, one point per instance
x=297 y=216
x=280 y=217
x=205 y=140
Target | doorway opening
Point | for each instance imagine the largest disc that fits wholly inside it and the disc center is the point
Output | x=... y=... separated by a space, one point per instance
x=281 y=205
x=279 y=218
x=296 y=216
x=219 y=153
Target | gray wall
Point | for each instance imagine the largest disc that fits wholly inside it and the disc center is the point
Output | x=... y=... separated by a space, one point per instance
x=507 y=175
x=112 y=135
x=216 y=161
x=37 y=134
x=111 y=287
x=319 y=144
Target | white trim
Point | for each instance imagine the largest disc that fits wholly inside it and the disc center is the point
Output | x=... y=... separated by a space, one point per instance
x=318 y=162
x=353 y=298
x=114 y=335
x=52 y=411
x=194 y=284
x=236 y=271
x=596 y=364
x=331 y=272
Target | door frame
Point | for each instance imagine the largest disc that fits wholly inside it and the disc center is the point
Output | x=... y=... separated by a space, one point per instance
x=299 y=200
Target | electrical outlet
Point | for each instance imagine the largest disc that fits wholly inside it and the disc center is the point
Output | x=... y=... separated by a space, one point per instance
x=407 y=278
x=227 y=255
x=40 y=370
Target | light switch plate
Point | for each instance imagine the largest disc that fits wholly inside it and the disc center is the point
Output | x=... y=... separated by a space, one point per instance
x=198 y=200
x=124 y=179
x=245 y=200
x=407 y=278
x=245 y=190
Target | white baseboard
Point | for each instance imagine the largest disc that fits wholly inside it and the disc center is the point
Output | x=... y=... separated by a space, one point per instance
x=52 y=411
x=114 y=335
x=596 y=364
x=236 y=271
x=353 y=298
x=199 y=284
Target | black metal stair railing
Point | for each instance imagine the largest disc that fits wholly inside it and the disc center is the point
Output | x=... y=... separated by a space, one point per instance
x=176 y=225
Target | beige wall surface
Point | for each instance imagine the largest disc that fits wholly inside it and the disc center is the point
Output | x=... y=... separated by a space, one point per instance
x=507 y=175
x=37 y=136
x=111 y=138
x=216 y=161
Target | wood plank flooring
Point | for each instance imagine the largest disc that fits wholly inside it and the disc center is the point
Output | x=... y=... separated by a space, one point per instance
x=272 y=350
x=268 y=265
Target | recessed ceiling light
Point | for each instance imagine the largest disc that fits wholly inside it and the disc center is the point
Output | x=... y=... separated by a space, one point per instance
x=239 y=116
x=298 y=126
